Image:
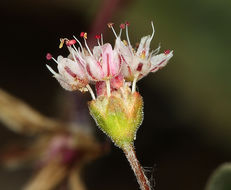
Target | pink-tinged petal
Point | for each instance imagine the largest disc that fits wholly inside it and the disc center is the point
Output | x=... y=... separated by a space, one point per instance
x=135 y=63
x=124 y=51
x=76 y=56
x=65 y=84
x=97 y=52
x=107 y=60
x=143 y=49
x=144 y=46
x=69 y=68
x=159 y=61
x=71 y=74
x=59 y=58
x=127 y=72
x=117 y=64
x=130 y=70
x=94 y=69
x=153 y=70
x=111 y=61
x=69 y=71
x=144 y=67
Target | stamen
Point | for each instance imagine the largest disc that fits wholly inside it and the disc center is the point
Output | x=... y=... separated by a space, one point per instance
x=91 y=91
x=127 y=24
x=108 y=88
x=142 y=56
x=79 y=43
x=153 y=31
x=101 y=38
x=166 y=52
x=134 y=83
x=55 y=60
x=84 y=36
x=125 y=42
x=74 y=57
x=77 y=53
x=49 y=57
x=51 y=70
x=98 y=42
x=88 y=49
x=122 y=26
x=97 y=37
x=110 y=25
x=61 y=42
x=157 y=49
x=70 y=42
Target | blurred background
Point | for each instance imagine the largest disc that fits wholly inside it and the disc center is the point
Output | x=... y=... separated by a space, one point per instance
x=186 y=132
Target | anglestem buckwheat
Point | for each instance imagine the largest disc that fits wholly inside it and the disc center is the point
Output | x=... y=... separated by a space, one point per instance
x=118 y=108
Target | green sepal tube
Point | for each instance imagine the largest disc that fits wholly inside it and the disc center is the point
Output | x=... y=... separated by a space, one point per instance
x=119 y=116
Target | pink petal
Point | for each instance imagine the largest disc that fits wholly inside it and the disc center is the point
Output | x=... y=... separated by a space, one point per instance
x=107 y=60
x=144 y=46
x=94 y=69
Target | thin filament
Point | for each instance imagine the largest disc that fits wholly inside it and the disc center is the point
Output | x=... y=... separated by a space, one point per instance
x=108 y=88
x=153 y=31
x=79 y=43
x=114 y=31
x=88 y=49
x=55 y=60
x=134 y=84
x=51 y=70
x=101 y=38
x=91 y=91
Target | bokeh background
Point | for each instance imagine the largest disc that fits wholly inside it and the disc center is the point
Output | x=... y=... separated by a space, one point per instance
x=186 y=132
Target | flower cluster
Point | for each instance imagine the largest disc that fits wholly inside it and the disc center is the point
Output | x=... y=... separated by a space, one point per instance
x=106 y=67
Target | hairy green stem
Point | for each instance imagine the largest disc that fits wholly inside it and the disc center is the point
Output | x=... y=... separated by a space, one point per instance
x=137 y=168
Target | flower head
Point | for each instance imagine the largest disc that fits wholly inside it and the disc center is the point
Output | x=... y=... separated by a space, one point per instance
x=102 y=64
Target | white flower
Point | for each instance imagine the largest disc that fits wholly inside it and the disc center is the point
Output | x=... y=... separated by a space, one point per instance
x=71 y=74
x=137 y=64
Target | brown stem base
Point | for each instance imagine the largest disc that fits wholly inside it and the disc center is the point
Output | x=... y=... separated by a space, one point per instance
x=137 y=168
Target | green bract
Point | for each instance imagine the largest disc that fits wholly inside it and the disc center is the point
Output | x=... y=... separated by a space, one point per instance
x=119 y=116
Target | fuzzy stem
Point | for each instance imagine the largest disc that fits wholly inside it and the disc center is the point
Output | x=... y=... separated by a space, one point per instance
x=136 y=167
